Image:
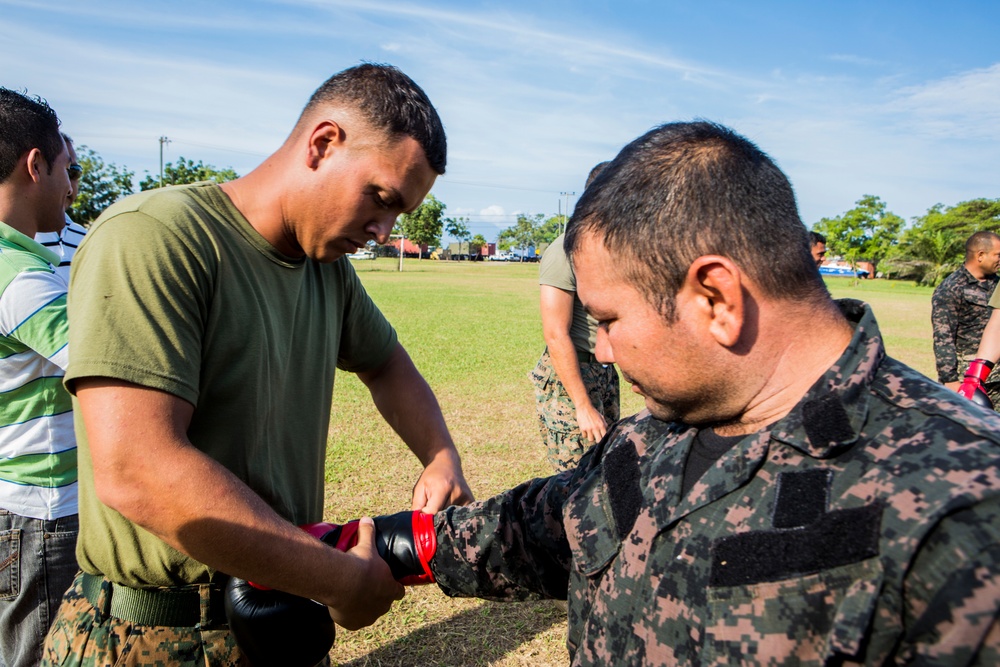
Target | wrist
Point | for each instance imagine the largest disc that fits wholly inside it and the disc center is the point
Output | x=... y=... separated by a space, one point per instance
x=980 y=369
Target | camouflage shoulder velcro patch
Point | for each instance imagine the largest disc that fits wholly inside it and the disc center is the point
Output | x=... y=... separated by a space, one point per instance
x=804 y=541
x=826 y=421
x=622 y=477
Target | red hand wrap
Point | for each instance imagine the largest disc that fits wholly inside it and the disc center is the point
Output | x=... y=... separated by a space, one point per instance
x=979 y=370
x=425 y=541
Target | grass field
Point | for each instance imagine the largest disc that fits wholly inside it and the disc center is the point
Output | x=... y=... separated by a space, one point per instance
x=473 y=329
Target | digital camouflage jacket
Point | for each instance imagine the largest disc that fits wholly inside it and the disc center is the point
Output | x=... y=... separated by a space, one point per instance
x=959 y=313
x=862 y=528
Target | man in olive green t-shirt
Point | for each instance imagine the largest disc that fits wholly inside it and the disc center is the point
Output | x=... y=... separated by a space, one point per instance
x=576 y=396
x=208 y=322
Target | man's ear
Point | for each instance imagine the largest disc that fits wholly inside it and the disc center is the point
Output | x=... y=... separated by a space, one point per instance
x=34 y=164
x=715 y=284
x=325 y=138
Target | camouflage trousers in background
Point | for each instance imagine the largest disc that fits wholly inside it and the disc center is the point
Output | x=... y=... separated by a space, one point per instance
x=564 y=442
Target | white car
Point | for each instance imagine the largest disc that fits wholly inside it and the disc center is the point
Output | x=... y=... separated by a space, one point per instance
x=362 y=253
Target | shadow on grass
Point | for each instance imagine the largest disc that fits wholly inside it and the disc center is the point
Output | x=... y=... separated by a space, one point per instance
x=472 y=638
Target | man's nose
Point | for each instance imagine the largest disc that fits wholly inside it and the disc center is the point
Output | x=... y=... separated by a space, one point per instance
x=382 y=228
x=602 y=348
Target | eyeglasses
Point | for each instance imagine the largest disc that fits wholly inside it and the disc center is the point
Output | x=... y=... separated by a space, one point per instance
x=75 y=171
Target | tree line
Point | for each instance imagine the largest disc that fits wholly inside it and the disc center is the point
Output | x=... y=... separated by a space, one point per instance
x=103 y=183
x=925 y=251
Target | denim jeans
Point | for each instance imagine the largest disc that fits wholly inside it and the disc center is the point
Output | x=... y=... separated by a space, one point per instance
x=37 y=565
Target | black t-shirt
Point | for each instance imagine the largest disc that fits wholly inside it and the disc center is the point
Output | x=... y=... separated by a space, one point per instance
x=708 y=447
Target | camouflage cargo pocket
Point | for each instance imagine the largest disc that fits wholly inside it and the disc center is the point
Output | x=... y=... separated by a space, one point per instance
x=809 y=619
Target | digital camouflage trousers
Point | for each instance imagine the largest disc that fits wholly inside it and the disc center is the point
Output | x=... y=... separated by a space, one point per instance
x=83 y=636
x=564 y=442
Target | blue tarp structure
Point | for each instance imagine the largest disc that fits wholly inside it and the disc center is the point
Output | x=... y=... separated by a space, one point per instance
x=842 y=271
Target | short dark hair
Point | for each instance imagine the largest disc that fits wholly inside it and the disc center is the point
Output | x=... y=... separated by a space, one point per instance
x=684 y=190
x=595 y=172
x=816 y=237
x=390 y=101
x=26 y=123
x=979 y=242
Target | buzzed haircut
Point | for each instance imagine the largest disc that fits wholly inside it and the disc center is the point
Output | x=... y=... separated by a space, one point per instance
x=979 y=242
x=684 y=190
x=816 y=237
x=389 y=101
x=26 y=123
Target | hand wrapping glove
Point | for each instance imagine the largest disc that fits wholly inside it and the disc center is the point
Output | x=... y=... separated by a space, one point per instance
x=972 y=385
x=276 y=628
x=406 y=542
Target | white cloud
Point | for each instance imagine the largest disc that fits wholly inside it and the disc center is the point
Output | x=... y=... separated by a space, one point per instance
x=494 y=210
x=966 y=105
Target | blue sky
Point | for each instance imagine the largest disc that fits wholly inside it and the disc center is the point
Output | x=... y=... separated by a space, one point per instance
x=896 y=99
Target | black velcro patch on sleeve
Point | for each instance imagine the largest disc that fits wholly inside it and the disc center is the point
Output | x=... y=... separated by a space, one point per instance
x=802 y=497
x=836 y=538
x=622 y=476
x=826 y=421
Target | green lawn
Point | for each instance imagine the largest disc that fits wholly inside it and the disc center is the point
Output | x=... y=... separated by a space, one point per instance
x=474 y=331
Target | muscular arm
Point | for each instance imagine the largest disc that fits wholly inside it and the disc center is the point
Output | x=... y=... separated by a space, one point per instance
x=557 y=316
x=989 y=346
x=407 y=403
x=146 y=469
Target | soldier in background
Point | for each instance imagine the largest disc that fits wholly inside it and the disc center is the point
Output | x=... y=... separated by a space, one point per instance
x=790 y=495
x=960 y=310
x=576 y=396
x=817 y=246
x=65 y=242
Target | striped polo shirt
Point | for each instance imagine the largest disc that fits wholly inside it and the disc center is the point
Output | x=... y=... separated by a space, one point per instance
x=63 y=243
x=37 y=445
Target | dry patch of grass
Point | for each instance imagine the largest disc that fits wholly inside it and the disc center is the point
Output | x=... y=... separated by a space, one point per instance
x=474 y=331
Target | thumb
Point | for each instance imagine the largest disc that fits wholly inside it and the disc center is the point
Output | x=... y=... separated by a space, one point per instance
x=366 y=534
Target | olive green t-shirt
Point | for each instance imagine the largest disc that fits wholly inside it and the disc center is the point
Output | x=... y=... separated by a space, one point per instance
x=994 y=301
x=555 y=270
x=174 y=290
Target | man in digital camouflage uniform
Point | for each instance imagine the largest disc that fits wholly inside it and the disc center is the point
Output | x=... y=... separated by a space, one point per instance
x=960 y=310
x=791 y=496
x=576 y=396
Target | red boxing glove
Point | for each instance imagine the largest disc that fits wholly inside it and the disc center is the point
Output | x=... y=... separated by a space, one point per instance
x=972 y=385
x=406 y=542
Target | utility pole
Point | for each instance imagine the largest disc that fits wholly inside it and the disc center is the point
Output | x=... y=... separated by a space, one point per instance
x=566 y=219
x=163 y=140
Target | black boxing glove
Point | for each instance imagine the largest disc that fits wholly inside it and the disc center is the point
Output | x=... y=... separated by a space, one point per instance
x=406 y=541
x=277 y=628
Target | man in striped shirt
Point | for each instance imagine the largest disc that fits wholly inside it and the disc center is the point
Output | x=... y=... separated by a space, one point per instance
x=38 y=489
x=65 y=242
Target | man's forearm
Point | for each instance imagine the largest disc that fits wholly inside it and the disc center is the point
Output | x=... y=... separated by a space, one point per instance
x=562 y=353
x=989 y=345
x=406 y=402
